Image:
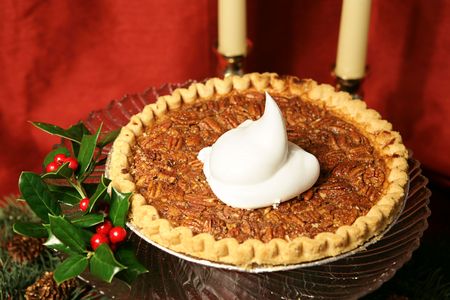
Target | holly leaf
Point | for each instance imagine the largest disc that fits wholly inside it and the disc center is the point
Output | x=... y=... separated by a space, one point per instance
x=86 y=235
x=103 y=264
x=71 y=267
x=107 y=199
x=77 y=131
x=68 y=233
x=87 y=150
x=54 y=243
x=119 y=207
x=58 y=131
x=126 y=256
x=38 y=196
x=30 y=229
x=51 y=155
x=88 y=220
x=75 y=148
x=100 y=192
x=63 y=172
x=65 y=194
x=52 y=129
x=90 y=188
x=108 y=138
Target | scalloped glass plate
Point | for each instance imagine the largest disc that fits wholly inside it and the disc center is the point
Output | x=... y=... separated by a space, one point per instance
x=347 y=276
x=262 y=269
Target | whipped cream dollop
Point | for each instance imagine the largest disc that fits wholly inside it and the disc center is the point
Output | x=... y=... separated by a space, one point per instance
x=254 y=165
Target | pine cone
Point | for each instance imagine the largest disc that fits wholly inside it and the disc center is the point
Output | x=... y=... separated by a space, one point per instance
x=23 y=249
x=46 y=288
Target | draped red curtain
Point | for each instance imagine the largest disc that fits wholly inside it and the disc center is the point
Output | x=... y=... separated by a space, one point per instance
x=61 y=59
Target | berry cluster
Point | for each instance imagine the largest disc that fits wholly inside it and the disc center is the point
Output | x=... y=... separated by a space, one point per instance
x=59 y=160
x=106 y=233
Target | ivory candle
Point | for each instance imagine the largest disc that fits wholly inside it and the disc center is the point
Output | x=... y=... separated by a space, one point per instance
x=352 y=44
x=232 y=27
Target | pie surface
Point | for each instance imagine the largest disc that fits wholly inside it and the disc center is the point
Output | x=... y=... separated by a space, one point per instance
x=359 y=191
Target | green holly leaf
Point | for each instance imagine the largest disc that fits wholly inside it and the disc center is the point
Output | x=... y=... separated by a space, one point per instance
x=51 y=155
x=52 y=129
x=107 y=199
x=87 y=150
x=103 y=264
x=126 y=256
x=119 y=207
x=75 y=148
x=77 y=131
x=54 y=243
x=71 y=267
x=36 y=193
x=30 y=229
x=73 y=133
x=68 y=233
x=100 y=192
x=108 y=138
x=86 y=235
x=88 y=220
x=65 y=194
x=63 y=172
x=90 y=188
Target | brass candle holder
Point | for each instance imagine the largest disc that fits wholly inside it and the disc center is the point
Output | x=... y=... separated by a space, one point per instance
x=351 y=86
x=231 y=65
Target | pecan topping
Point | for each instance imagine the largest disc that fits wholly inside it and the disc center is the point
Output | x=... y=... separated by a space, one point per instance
x=169 y=175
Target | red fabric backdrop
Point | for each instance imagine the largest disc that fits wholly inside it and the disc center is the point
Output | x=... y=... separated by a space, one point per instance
x=61 y=59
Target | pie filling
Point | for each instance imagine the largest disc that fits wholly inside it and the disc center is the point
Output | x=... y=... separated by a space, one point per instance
x=168 y=174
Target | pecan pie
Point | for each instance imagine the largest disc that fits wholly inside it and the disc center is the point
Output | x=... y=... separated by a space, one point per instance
x=359 y=192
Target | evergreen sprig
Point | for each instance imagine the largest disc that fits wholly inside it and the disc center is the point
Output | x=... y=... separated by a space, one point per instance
x=16 y=276
x=70 y=231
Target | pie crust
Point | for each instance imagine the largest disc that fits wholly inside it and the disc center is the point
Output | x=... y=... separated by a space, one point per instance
x=277 y=251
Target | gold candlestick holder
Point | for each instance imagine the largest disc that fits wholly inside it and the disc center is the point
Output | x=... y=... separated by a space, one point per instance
x=231 y=65
x=351 y=86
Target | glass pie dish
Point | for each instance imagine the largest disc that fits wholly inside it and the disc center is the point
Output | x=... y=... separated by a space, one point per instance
x=343 y=277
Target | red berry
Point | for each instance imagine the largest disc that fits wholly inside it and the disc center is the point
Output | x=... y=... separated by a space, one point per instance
x=60 y=158
x=97 y=239
x=84 y=204
x=73 y=163
x=51 y=167
x=117 y=234
x=104 y=227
